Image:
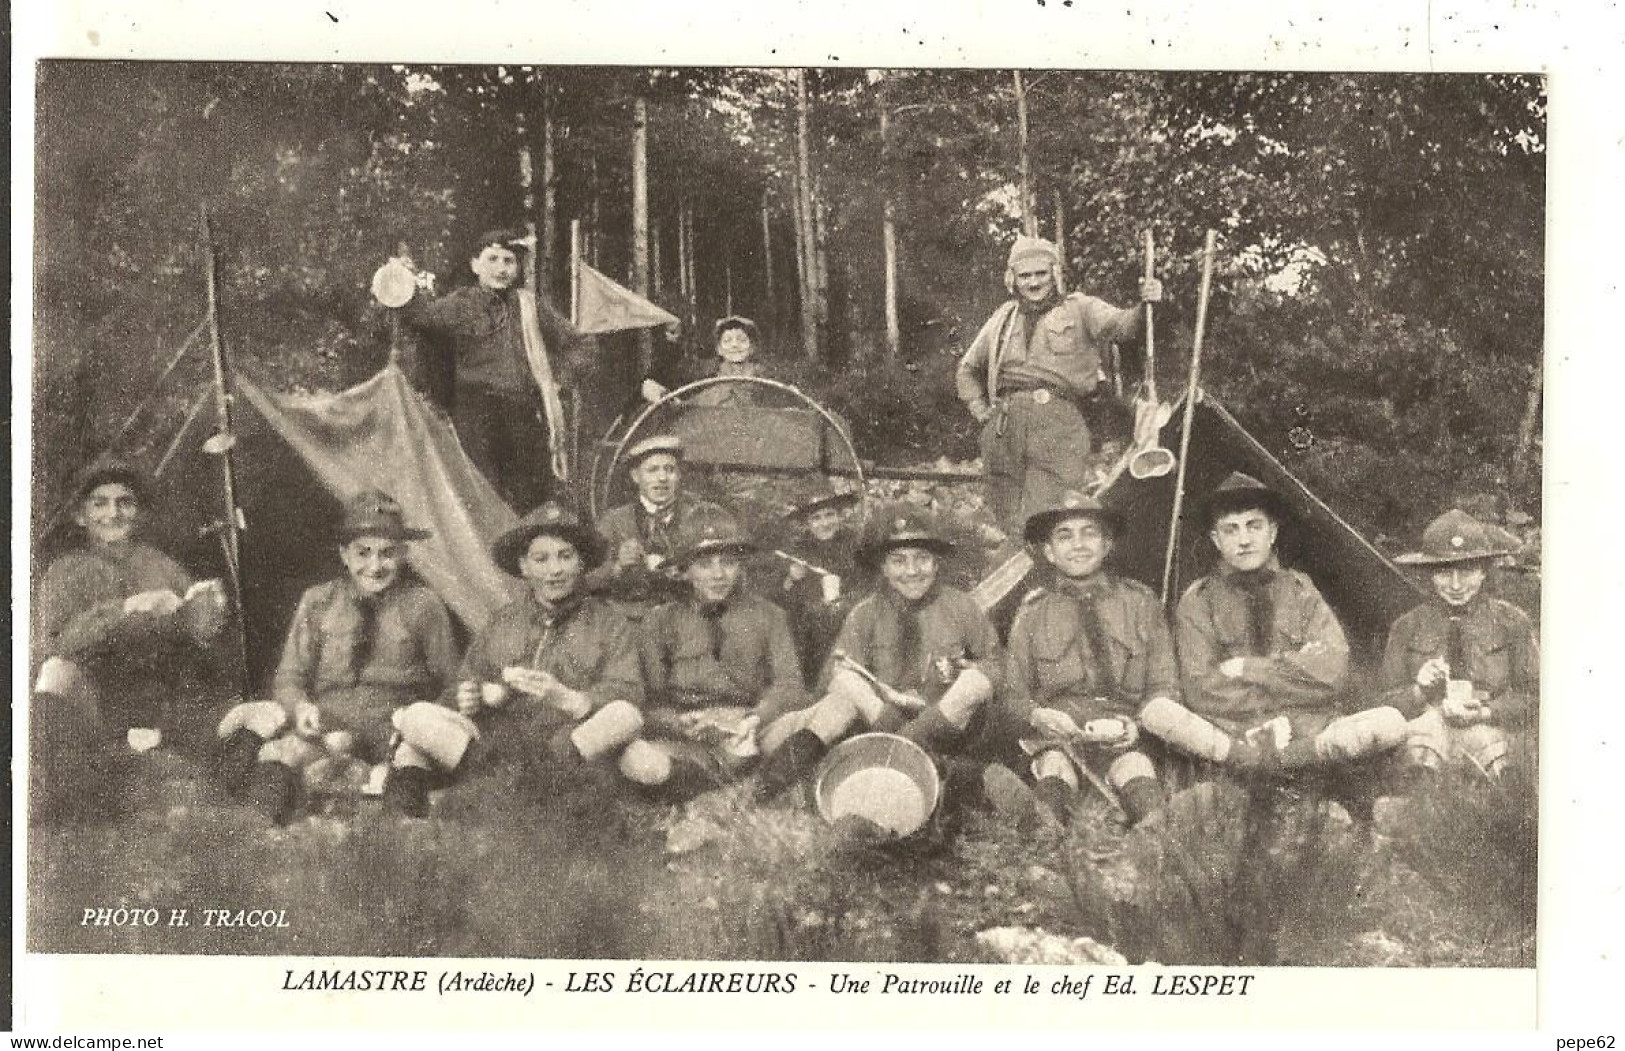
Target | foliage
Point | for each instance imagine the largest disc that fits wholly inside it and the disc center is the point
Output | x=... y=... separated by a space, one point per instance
x=1379 y=289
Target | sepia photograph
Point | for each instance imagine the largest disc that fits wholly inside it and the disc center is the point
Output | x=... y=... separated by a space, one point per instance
x=798 y=513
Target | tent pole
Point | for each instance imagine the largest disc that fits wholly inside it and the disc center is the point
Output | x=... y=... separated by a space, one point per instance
x=229 y=530
x=1169 y=577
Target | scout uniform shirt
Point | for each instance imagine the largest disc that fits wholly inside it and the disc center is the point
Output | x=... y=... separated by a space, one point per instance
x=358 y=658
x=1295 y=662
x=736 y=655
x=658 y=533
x=586 y=644
x=1059 y=660
x=131 y=659
x=1064 y=351
x=79 y=609
x=1495 y=647
x=483 y=325
x=951 y=629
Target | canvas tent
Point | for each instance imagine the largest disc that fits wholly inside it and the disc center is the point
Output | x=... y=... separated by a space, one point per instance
x=1365 y=589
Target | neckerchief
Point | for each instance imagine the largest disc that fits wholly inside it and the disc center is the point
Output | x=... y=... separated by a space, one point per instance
x=1256 y=588
x=1031 y=312
x=711 y=613
x=909 y=636
x=366 y=634
x=1086 y=596
x=553 y=620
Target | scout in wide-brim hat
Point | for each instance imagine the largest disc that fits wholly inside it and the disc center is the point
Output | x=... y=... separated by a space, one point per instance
x=709 y=531
x=1456 y=537
x=373 y=512
x=901 y=525
x=1241 y=492
x=1071 y=504
x=550 y=519
x=819 y=494
x=112 y=471
x=659 y=443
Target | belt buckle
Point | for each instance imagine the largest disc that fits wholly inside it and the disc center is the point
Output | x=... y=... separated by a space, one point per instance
x=1041 y=396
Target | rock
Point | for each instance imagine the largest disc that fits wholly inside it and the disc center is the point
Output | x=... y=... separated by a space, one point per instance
x=1036 y=945
x=690 y=834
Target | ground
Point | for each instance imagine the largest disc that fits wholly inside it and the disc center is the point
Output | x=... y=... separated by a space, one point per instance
x=524 y=866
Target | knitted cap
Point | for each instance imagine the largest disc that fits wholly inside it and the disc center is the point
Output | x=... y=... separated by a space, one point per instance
x=1033 y=249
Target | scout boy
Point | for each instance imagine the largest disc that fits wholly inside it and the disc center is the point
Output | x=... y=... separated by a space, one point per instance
x=116 y=621
x=1087 y=652
x=365 y=656
x=641 y=536
x=720 y=663
x=917 y=657
x=554 y=675
x=1466 y=666
x=1262 y=656
x=820 y=577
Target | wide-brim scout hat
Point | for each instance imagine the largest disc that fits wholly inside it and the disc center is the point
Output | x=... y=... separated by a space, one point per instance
x=373 y=512
x=901 y=525
x=659 y=443
x=1241 y=492
x=550 y=519
x=112 y=471
x=819 y=494
x=743 y=324
x=707 y=531
x=1071 y=504
x=1456 y=537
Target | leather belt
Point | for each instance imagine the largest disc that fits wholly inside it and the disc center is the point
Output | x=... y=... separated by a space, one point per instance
x=1039 y=395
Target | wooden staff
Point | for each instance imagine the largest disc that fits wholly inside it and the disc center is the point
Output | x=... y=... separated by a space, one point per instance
x=230 y=530
x=1150 y=327
x=1168 y=577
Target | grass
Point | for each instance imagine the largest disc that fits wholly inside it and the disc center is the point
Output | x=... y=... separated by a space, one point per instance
x=524 y=865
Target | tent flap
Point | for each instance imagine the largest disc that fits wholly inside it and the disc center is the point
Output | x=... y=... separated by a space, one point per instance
x=382 y=434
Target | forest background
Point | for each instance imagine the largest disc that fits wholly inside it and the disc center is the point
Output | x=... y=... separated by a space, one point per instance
x=1377 y=312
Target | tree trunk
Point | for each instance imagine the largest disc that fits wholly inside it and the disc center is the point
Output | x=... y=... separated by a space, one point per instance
x=888 y=229
x=640 y=220
x=821 y=256
x=770 y=308
x=594 y=214
x=1523 y=452
x=1029 y=203
x=550 y=218
x=1060 y=237
x=657 y=278
x=810 y=310
x=809 y=343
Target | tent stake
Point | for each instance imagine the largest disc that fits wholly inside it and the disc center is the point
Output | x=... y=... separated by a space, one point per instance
x=1169 y=577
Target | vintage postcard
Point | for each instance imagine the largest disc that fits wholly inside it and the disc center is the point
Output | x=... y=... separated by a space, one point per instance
x=516 y=534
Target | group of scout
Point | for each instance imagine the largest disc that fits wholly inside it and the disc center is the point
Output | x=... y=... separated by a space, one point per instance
x=639 y=653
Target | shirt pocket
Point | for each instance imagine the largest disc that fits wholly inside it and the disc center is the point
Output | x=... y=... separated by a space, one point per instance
x=1058 y=663
x=1062 y=334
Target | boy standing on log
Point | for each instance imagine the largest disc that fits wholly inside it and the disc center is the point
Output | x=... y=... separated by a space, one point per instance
x=501 y=337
